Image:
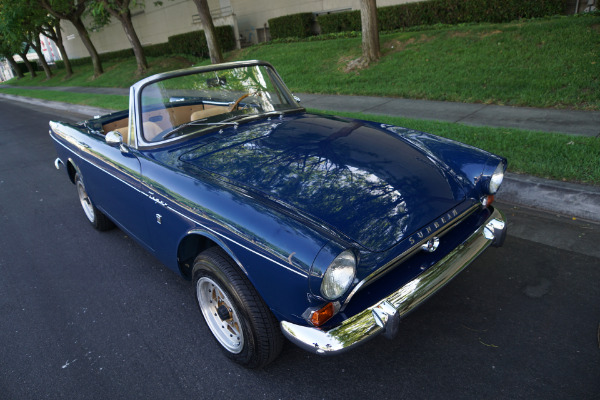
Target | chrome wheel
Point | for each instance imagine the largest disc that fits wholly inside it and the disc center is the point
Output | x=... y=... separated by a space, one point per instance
x=88 y=208
x=241 y=323
x=220 y=314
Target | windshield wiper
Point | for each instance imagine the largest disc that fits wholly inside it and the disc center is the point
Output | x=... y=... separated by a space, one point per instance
x=227 y=121
x=252 y=116
x=198 y=122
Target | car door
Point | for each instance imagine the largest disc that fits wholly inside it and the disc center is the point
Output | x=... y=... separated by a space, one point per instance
x=112 y=179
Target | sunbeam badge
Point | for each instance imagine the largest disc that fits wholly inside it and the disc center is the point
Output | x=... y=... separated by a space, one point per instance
x=431 y=245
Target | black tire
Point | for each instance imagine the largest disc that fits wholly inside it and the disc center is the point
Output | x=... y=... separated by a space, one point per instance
x=239 y=320
x=95 y=216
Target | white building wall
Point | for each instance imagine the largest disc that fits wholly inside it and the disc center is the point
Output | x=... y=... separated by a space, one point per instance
x=154 y=24
x=6 y=71
x=252 y=15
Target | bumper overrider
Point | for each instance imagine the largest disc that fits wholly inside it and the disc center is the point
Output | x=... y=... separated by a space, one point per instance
x=384 y=316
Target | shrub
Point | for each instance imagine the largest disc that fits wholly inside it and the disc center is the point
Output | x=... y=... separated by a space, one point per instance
x=294 y=25
x=444 y=12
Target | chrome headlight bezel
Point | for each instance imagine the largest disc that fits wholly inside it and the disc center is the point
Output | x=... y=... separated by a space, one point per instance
x=339 y=275
x=496 y=179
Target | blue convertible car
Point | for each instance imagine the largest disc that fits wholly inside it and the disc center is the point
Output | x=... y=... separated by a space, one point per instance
x=323 y=230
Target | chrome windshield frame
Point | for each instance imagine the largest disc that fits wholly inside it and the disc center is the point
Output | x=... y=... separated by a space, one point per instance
x=135 y=95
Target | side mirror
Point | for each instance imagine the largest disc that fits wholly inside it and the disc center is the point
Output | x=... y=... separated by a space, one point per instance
x=113 y=138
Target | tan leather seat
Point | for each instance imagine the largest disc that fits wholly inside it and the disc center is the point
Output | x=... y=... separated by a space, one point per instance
x=124 y=133
x=209 y=112
x=151 y=129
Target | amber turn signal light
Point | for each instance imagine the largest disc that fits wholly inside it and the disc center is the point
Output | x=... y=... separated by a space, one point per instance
x=487 y=200
x=319 y=317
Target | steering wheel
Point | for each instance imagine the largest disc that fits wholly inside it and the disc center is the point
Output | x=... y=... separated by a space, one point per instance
x=237 y=102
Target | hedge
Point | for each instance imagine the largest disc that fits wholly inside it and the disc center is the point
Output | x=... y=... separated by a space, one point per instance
x=24 y=69
x=193 y=43
x=157 y=50
x=444 y=12
x=294 y=25
x=342 y=22
x=112 y=55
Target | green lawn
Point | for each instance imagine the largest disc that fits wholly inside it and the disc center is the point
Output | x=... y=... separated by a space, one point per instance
x=540 y=63
x=544 y=63
x=118 y=73
x=547 y=155
x=552 y=62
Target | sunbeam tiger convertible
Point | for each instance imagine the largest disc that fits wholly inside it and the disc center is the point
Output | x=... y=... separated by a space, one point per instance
x=319 y=229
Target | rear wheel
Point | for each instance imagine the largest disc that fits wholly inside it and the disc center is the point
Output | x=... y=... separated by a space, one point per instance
x=236 y=315
x=95 y=216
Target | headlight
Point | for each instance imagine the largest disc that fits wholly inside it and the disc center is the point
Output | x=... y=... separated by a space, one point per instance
x=496 y=179
x=339 y=275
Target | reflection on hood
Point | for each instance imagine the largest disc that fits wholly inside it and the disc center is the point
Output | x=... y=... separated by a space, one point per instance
x=365 y=182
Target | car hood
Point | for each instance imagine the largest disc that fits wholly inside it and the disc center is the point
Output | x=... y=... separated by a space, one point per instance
x=359 y=179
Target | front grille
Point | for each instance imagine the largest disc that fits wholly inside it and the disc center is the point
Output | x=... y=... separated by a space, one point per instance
x=410 y=264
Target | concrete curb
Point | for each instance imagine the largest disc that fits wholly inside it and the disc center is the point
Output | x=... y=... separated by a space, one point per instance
x=57 y=105
x=565 y=198
x=569 y=199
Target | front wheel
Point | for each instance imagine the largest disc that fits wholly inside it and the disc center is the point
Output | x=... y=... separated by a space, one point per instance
x=236 y=315
x=95 y=216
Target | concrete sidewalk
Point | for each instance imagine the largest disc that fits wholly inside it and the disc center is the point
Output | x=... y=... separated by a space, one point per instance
x=567 y=199
x=572 y=122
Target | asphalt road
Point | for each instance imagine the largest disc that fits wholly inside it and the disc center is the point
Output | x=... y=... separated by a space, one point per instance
x=90 y=315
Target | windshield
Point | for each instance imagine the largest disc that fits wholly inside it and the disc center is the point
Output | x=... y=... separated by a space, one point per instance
x=196 y=102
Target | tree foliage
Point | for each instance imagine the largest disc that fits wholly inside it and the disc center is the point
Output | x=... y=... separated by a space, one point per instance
x=21 y=23
x=72 y=11
x=103 y=10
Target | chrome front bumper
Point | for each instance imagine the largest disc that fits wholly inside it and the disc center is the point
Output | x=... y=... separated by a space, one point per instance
x=384 y=316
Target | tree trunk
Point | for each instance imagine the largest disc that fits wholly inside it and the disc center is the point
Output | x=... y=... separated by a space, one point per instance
x=35 y=44
x=209 y=31
x=138 y=50
x=370 y=33
x=27 y=63
x=55 y=35
x=15 y=67
x=87 y=42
